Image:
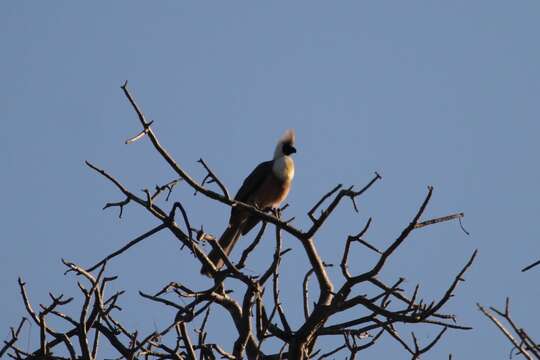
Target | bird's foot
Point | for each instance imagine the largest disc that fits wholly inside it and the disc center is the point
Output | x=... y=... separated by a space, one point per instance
x=276 y=212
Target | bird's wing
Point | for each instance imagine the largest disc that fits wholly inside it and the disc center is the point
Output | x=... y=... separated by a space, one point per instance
x=254 y=181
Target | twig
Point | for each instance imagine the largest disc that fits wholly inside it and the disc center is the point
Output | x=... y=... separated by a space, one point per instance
x=530 y=266
x=439 y=220
x=14 y=337
x=251 y=247
x=214 y=178
x=139 y=135
x=305 y=286
x=133 y=242
x=326 y=196
x=168 y=186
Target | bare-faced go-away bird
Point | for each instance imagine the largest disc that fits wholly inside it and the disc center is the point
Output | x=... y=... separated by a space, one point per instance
x=266 y=187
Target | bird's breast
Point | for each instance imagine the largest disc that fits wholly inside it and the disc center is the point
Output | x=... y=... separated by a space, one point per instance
x=283 y=168
x=276 y=184
x=272 y=192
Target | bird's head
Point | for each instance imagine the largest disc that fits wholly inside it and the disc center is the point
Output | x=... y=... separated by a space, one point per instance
x=285 y=145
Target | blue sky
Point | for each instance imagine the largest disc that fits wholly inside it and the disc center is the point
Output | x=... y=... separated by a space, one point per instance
x=427 y=93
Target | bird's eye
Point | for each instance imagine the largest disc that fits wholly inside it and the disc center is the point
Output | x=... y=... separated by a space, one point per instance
x=288 y=149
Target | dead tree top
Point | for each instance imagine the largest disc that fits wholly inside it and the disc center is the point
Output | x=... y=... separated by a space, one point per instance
x=253 y=319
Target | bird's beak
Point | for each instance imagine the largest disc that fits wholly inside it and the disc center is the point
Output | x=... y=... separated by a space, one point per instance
x=293 y=149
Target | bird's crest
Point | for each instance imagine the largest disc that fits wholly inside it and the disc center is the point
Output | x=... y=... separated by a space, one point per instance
x=288 y=137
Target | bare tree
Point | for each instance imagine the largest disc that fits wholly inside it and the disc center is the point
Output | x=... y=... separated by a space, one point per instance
x=254 y=320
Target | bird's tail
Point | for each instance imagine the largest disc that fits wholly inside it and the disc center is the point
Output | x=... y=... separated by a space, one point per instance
x=227 y=241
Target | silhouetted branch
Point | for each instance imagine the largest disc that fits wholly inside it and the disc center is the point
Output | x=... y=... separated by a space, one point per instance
x=439 y=220
x=213 y=178
x=14 y=337
x=252 y=246
x=133 y=242
x=528 y=267
x=520 y=339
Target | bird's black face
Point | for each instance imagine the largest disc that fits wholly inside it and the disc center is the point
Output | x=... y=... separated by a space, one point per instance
x=288 y=149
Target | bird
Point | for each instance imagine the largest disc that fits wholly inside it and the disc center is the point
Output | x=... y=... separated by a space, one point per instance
x=266 y=187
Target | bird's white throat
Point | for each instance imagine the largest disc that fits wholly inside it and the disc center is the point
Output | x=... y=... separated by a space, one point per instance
x=283 y=168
